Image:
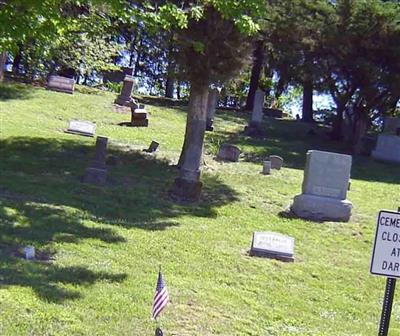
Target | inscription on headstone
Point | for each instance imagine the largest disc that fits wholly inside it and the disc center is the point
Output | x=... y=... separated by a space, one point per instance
x=85 y=128
x=272 y=245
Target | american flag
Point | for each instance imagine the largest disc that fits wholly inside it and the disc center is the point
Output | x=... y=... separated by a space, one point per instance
x=161 y=298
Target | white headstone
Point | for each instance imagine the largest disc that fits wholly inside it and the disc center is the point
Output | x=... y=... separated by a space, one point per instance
x=387 y=148
x=258 y=106
x=86 y=128
x=273 y=245
x=325 y=184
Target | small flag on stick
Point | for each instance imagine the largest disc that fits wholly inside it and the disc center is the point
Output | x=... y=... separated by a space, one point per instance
x=161 y=298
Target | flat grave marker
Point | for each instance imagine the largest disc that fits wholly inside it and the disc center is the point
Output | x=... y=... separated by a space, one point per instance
x=85 y=128
x=272 y=245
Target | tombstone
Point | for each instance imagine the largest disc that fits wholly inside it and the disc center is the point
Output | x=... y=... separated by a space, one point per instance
x=390 y=125
x=387 y=148
x=324 y=189
x=388 y=145
x=96 y=173
x=368 y=143
x=276 y=162
x=85 y=128
x=255 y=125
x=272 y=245
x=125 y=97
x=153 y=147
x=228 y=152
x=211 y=107
x=139 y=117
x=266 y=167
x=61 y=84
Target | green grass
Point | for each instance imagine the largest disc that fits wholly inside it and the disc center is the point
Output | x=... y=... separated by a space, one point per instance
x=105 y=244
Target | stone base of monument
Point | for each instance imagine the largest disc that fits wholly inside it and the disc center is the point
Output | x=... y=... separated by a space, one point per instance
x=123 y=101
x=318 y=208
x=185 y=191
x=97 y=176
x=210 y=125
x=255 y=129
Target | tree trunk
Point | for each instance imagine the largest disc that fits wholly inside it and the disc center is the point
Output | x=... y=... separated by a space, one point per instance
x=338 y=124
x=169 y=87
x=187 y=187
x=178 y=90
x=3 y=59
x=307 y=111
x=360 y=129
x=255 y=74
x=17 y=60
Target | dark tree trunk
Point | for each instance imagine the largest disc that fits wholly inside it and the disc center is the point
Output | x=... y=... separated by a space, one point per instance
x=307 y=109
x=169 y=88
x=3 y=59
x=337 y=127
x=255 y=74
x=360 y=129
x=17 y=61
x=178 y=90
x=187 y=187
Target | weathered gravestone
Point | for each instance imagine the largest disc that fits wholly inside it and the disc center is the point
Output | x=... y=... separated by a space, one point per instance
x=125 y=97
x=388 y=144
x=153 y=147
x=85 y=128
x=324 y=190
x=267 y=167
x=228 y=152
x=139 y=117
x=61 y=84
x=276 y=162
x=272 y=245
x=96 y=173
x=255 y=125
x=211 y=107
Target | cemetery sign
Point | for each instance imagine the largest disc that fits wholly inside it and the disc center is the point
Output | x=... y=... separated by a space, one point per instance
x=385 y=256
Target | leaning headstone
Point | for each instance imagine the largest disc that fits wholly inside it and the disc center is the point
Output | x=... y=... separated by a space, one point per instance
x=139 y=117
x=276 y=162
x=125 y=97
x=272 y=245
x=255 y=125
x=228 y=152
x=153 y=147
x=85 y=128
x=211 y=107
x=96 y=173
x=61 y=84
x=388 y=144
x=267 y=167
x=324 y=190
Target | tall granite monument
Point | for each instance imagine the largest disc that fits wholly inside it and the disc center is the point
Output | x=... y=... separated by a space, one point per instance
x=255 y=125
x=324 y=190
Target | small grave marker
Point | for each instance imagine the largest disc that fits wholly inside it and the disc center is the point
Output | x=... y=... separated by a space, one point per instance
x=85 y=128
x=228 y=152
x=61 y=84
x=267 y=167
x=276 y=162
x=152 y=148
x=272 y=245
x=96 y=173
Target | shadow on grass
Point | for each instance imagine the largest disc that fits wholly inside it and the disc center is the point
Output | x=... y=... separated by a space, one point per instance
x=42 y=202
x=15 y=91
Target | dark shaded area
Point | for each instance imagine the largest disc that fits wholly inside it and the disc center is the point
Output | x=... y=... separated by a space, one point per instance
x=42 y=202
x=10 y=92
x=161 y=101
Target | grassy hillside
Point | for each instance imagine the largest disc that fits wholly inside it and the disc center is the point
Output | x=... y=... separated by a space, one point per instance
x=101 y=247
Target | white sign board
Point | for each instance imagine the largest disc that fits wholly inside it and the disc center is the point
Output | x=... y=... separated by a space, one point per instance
x=386 y=253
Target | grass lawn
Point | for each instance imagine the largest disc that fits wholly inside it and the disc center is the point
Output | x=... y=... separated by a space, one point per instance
x=103 y=246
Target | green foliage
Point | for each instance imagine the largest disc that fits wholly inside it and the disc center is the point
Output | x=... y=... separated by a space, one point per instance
x=113 y=87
